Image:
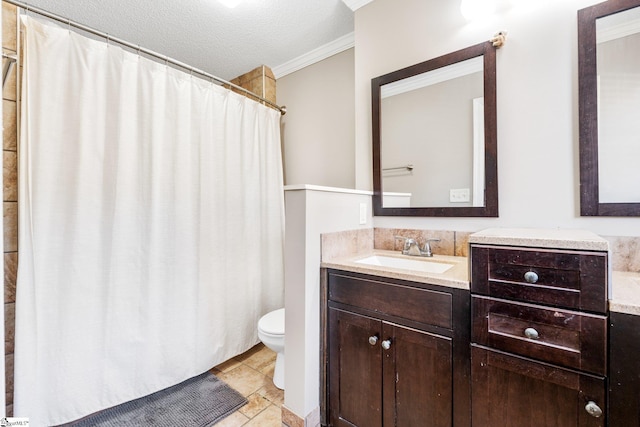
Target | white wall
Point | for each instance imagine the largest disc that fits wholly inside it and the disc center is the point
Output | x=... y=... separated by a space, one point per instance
x=537 y=102
x=310 y=211
x=318 y=129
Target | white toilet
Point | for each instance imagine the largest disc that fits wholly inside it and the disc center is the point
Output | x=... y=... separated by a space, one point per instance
x=271 y=333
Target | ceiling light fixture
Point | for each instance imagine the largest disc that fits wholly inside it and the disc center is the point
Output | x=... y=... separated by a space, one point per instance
x=477 y=9
x=230 y=3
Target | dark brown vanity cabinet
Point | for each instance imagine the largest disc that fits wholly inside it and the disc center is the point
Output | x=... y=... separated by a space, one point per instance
x=394 y=355
x=624 y=371
x=387 y=374
x=539 y=337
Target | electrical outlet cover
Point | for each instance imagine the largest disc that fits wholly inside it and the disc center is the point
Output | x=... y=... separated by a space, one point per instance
x=459 y=195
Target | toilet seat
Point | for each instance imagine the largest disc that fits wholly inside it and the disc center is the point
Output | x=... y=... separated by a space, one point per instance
x=272 y=323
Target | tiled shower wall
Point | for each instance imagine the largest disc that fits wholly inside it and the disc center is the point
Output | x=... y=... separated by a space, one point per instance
x=10 y=194
x=260 y=81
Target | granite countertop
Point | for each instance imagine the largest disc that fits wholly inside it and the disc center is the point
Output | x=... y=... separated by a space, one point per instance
x=456 y=277
x=541 y=238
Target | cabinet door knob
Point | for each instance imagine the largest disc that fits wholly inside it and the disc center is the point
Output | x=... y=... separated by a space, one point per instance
x=386 y=344
x=531 y=277
x=593 y=409
x=373 y=340
x=531 y=333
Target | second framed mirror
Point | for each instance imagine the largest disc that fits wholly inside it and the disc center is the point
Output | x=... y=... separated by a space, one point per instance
x=609 y=95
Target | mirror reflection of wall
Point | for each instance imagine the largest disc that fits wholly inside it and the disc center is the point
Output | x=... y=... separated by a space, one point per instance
x=428 y=125
x=618 y=68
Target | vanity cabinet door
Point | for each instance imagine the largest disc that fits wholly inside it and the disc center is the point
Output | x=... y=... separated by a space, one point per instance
x=355 y=369
x=383 y=374
x=624 y=379
x=512 y=391
x=417 y=372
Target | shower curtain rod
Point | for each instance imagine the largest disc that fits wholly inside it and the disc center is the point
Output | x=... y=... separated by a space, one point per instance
x=137 y=48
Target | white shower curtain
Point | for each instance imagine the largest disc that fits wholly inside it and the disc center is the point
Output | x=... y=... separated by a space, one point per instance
x=151 y=225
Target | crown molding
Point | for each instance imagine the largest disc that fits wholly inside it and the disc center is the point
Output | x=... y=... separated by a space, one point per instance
x=356 y=4
x=316 y=55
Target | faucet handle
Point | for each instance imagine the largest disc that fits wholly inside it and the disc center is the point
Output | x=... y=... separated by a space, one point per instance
x=408 y=244
x=405 y=239
x=426 y=251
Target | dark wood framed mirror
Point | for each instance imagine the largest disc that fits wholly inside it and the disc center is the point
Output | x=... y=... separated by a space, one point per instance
x=435 y=138
x=609 y=108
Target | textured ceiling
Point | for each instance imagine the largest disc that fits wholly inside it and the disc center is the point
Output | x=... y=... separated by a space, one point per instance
x=207 y=35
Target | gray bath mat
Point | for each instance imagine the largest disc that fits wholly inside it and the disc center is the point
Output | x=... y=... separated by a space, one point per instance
x=197 y=402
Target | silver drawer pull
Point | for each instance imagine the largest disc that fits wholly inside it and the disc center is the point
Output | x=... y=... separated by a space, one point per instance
x=531 y=277
x=373 y=340
x=386 y=344
x=593 y=409
x=531 y=333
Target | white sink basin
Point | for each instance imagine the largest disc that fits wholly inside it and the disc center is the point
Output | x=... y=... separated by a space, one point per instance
x=418 y=264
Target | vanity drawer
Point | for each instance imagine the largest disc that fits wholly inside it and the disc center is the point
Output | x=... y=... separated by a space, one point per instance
x=510 y=390
x=563 y=337
x=393 y=299
x=571 y=279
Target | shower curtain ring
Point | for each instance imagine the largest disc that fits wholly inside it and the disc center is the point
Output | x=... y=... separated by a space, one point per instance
x=69 y=24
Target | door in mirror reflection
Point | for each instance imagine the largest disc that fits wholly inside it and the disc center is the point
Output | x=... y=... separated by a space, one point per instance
x=432 y=138
x=618 y=80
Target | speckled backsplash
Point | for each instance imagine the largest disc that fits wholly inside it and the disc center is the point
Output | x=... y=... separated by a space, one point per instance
x=625 y=253
x=346 y=243
x=352 y=242
x=454 y=243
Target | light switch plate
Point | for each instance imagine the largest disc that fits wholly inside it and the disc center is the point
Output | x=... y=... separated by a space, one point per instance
x=459 y=195
x=363 y=213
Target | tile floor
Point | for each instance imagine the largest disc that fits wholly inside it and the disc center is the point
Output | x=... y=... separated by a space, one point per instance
x=251 y=374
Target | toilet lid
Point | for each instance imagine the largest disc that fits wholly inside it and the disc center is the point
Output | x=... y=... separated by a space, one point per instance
x=273 y=322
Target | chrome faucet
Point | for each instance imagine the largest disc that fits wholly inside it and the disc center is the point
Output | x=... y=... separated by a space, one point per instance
x=412 y=248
